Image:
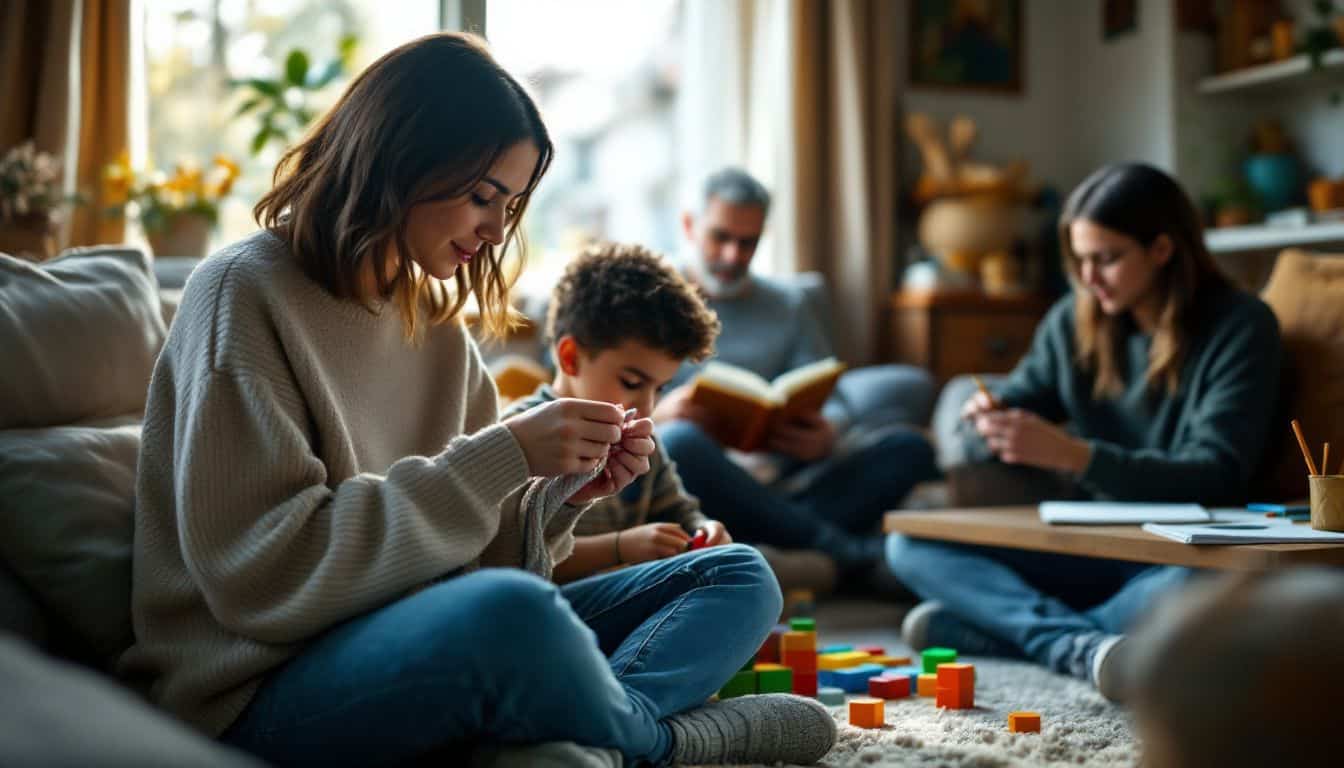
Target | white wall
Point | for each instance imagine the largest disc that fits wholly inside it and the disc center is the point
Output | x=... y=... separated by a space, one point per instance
x=1086 y=101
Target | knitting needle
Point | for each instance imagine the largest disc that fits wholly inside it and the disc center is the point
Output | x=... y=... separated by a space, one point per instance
x=1302 y=443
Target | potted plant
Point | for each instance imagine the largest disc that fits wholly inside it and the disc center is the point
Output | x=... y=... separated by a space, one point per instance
x=283 y=104
x=177 y=211
x=31 y=202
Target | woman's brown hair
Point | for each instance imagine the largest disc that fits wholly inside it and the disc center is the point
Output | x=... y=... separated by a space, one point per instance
x=424 y=122
x=1143 y=203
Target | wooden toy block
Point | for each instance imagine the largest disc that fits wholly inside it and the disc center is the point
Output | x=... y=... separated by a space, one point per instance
x=841 y=659
x=826 y=678
x=895 y=661
x=800 y=661
x=775 y=678
x=949 y=698
x=867 y=713
x=835 y=648
x=874 y=650
x=956 y=676
x=928 y=685
x=794 y=640
x=767 y=667
x=855 y=679
x=831 y=697
x=805 y=683
x=911 y=672
x=802 y=624
x=932 y=657
x=884 y=687
x=741 y=684
x=1024 y=722
x=769 y=651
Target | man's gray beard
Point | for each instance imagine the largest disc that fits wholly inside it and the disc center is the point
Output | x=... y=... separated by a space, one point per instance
x=719 y=289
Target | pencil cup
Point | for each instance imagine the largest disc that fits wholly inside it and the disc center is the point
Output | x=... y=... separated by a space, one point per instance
x=1327 y=502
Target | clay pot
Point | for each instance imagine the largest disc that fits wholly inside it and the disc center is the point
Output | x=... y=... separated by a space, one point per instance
x=32 y=236
x=184 y=234
x=961 y=230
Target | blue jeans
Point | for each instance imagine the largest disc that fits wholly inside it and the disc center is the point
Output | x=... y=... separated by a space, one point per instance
x=504 y=656
x=1034 y=601
x=851 y=494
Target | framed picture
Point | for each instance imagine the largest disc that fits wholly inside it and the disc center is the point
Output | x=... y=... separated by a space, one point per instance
x=1119 y=17
x=966 y=44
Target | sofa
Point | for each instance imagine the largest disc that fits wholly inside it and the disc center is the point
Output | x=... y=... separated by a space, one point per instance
x=81 y=335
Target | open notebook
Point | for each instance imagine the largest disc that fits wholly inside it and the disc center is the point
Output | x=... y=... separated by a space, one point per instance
x=1264 y=531
x=1110 y=513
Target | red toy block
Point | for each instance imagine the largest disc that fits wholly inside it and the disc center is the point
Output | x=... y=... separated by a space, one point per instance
x=698 y=540
x=800 y=661
x=1024 y=722
x=805 y=683
x=955 y=686
x=875 y=650
x=885 y=687
x=867 y=713
x=769 y=651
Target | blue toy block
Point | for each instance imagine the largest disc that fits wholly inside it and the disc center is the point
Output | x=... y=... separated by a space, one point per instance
x=836 y=649
x=855 y=679
x=831 y=697
x=827 y=677
x=911 y=672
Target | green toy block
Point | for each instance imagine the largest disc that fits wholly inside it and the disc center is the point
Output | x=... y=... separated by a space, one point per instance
x=741 y=684
x=934 y=656
x=774 y=681
x=801 y=624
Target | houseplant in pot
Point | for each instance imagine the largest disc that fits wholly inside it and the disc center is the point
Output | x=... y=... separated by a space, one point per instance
x=177 y=210
x=32 y=202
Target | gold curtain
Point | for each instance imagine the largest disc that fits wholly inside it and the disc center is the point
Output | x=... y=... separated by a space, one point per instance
x=40 y=76
x=844 y=157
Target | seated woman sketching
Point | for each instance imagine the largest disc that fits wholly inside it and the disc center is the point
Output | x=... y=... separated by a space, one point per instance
x=1166 y=374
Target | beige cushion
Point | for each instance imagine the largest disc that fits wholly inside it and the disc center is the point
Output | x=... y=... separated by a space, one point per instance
x=1306 y=292
x=81 y=333
x=66 y=505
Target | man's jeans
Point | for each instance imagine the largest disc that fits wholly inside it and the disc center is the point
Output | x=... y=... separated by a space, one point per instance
x=504 y=656
x=1035 y=601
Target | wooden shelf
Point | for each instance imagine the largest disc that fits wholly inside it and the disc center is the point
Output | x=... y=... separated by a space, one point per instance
x=1266 y=238
x=1265 y=74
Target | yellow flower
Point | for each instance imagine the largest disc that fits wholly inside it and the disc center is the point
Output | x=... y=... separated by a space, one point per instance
x=222 y=177
x=117 y=180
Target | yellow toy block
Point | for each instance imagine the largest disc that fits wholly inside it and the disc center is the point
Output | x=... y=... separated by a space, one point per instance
x=1024 y=722
x=798 y=641
x=766 y=667
x=891 y=661
x=928 y=685
x=842 y=660
x=867 y=713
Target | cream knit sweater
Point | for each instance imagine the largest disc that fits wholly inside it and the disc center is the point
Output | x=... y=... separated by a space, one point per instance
x=302 y=464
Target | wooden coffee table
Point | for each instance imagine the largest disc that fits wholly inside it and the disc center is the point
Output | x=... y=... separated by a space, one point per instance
x=1021 y=528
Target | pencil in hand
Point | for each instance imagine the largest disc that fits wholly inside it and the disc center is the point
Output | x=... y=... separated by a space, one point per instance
x=980 y=384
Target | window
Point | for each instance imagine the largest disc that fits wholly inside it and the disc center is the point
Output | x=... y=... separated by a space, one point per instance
x=195 y=47
x=606 y=75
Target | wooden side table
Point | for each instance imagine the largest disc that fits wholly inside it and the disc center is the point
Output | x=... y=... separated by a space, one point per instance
x=953 y=333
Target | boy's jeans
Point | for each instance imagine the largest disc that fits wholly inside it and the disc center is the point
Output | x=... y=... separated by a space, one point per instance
x=502 y=655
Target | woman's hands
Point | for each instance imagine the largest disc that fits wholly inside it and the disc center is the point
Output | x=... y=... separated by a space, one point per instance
x=1021 y=437
x=651 y=541
x=571 y=436
x=715 y=534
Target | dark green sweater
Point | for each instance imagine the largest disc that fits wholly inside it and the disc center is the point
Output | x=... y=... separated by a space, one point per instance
x=1202 y=444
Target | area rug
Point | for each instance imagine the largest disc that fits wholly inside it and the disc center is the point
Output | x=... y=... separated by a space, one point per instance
x=1078 y=726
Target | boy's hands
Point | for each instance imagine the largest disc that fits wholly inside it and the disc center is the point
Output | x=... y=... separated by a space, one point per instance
x=651 y=541
x=628 y=459
x=716 y=534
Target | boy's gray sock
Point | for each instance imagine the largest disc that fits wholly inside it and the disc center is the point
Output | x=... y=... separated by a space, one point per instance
x=770 y=728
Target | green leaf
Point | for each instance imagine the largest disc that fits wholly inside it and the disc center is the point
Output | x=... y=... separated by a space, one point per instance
x=296 y=67
x=260 y=139
x=248 y=106
x=347 y=48
x=267 y=87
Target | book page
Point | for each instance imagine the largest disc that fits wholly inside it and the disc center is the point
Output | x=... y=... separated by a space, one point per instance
x=1110 y=513
x=786 y=384
x=739 y=381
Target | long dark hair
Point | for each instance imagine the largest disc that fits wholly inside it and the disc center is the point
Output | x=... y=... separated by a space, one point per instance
x=397 y=137
x=1141 y=202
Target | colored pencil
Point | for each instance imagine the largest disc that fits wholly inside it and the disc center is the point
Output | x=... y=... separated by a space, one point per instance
x=980 y=384
x=1302 y=443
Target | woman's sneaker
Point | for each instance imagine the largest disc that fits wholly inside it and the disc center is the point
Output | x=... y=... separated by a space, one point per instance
x=930 y=624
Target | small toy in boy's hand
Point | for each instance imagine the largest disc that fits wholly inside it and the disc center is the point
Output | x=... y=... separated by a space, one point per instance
x=698 y=540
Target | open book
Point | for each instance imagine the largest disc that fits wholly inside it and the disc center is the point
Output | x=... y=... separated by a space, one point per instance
x=744 y=406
